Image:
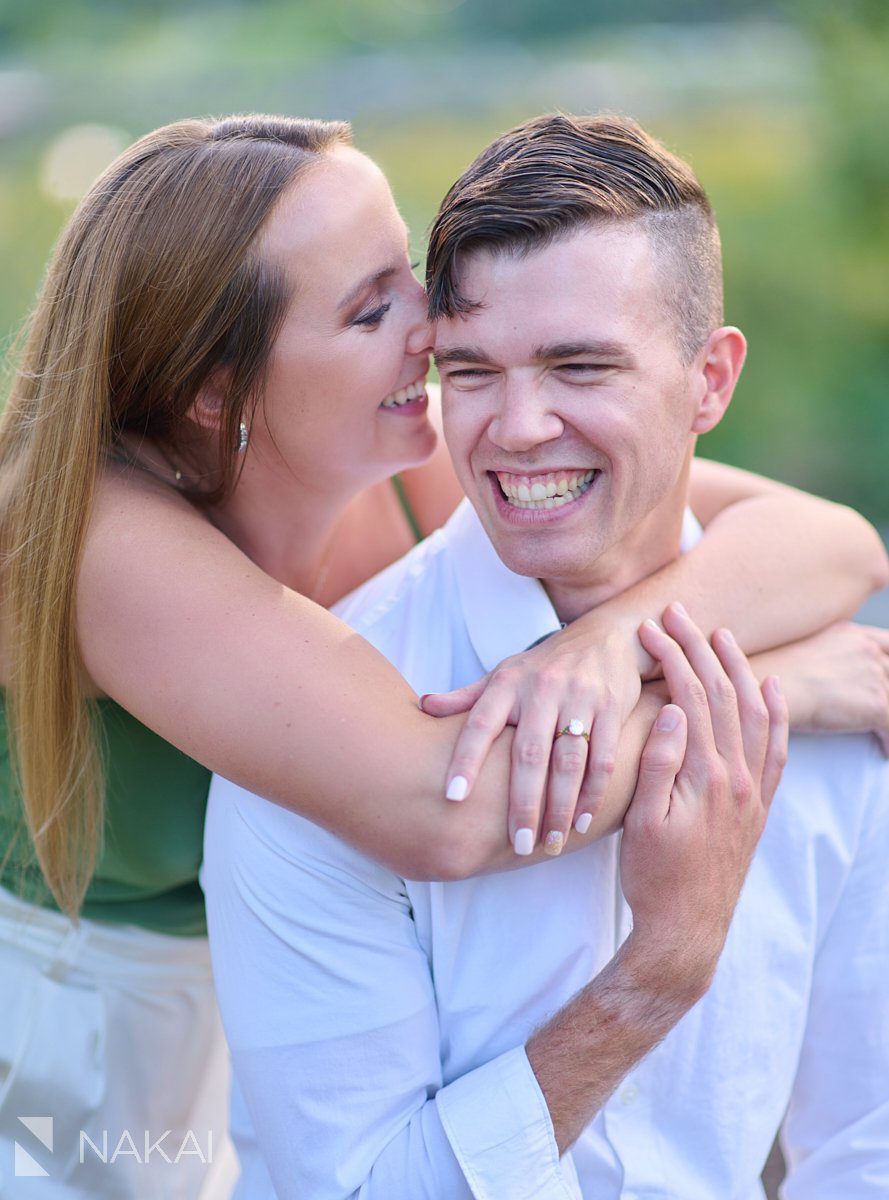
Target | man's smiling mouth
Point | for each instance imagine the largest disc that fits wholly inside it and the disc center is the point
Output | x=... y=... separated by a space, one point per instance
x=552 y=490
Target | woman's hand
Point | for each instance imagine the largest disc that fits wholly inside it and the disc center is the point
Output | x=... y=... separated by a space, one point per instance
x=559 y=777
x=836 y=681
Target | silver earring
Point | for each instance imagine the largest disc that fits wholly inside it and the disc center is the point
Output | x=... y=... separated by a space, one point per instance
x=243 y=437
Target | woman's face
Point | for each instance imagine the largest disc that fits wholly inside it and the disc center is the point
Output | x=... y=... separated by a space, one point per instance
x=345 y=404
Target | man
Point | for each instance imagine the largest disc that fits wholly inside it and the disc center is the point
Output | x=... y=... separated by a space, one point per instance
x=397 y=1039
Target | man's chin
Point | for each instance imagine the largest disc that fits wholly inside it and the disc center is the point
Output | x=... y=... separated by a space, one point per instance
x=539 y=552
x=518 y=552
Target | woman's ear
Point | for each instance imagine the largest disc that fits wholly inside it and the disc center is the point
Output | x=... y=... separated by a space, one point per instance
x=718 y=366
x=206 y=409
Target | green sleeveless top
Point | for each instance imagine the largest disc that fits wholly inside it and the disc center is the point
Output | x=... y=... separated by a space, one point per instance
x=155 y=802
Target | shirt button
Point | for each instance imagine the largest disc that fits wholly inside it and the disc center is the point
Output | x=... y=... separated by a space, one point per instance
x=629 y=1094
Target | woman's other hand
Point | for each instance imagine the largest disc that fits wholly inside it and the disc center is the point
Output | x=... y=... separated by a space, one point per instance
x=836 y=681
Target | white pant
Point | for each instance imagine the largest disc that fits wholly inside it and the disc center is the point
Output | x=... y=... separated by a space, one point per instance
x=112 y=1048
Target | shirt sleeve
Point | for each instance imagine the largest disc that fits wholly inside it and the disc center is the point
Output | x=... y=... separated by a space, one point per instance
x=330 y=1013
x=836 y=1134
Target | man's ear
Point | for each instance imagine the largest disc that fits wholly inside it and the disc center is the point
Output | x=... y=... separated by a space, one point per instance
x=717 y=368
x=207 y=407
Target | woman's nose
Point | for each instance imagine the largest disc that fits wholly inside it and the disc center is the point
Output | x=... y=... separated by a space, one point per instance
x=422 y=331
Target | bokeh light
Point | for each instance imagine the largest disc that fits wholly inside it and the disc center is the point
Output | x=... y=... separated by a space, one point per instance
x=76 y=156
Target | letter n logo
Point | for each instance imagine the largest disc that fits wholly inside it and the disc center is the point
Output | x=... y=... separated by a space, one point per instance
x=41 y=1127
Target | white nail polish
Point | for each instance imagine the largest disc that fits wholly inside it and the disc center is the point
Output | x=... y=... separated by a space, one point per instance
x=583 y=822
x=523 y=842
x=457 y=788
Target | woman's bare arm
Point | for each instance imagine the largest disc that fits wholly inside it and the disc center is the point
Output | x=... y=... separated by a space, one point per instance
x=812 y=561
x=775 y=565
x=271 y=691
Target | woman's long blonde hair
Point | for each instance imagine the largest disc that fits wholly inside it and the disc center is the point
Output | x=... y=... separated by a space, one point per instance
x=156 y=283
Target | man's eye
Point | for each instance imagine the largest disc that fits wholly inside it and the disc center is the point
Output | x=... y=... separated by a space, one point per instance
x=374 y=317
x=468 y=373
x=581 y=368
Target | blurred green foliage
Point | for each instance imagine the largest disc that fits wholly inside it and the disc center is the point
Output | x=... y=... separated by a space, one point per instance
x=794 y=153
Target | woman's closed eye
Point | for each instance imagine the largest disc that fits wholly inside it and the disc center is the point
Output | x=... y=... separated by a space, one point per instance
x=370 y=319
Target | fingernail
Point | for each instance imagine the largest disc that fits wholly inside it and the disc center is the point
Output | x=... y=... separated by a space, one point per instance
x=729 y=637
x=553 y=843
x=677 y=607
x=523 y=842
x=668 y=718
x=583 y=822
x=651 y=624
x=422 y=698
x=457 y=788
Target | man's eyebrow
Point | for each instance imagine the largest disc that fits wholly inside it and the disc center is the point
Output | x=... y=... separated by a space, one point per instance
x=369 y=282
x=463 y=354
x=595 y=349
x=614 y=351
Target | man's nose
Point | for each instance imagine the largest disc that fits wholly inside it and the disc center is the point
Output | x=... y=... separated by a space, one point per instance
x=523 y=419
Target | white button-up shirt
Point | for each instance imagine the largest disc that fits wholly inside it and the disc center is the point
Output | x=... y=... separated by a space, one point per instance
x=377 y=1025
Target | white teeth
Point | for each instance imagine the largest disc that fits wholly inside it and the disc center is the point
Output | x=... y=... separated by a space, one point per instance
x=553 y=493
x=404 y=395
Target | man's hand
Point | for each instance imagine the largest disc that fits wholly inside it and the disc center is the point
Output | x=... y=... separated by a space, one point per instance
x=706 y=780
x=686 y=847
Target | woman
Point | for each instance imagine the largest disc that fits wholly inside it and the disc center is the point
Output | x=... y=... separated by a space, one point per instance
x=224 y=367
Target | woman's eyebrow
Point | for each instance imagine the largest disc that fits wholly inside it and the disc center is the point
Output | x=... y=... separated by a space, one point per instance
x=369 y=282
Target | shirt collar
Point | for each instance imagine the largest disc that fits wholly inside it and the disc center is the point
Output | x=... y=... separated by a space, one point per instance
x=505 y=612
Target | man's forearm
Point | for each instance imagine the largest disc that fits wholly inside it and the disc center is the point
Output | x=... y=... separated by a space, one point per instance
x=580 y=1056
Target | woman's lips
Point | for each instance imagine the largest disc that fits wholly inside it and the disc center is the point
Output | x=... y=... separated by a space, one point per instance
x=410 y=408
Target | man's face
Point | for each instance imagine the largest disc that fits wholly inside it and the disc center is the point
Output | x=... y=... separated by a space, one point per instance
x=567 y=383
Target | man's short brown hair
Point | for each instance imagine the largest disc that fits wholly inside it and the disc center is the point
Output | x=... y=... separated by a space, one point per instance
x=557 y=173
